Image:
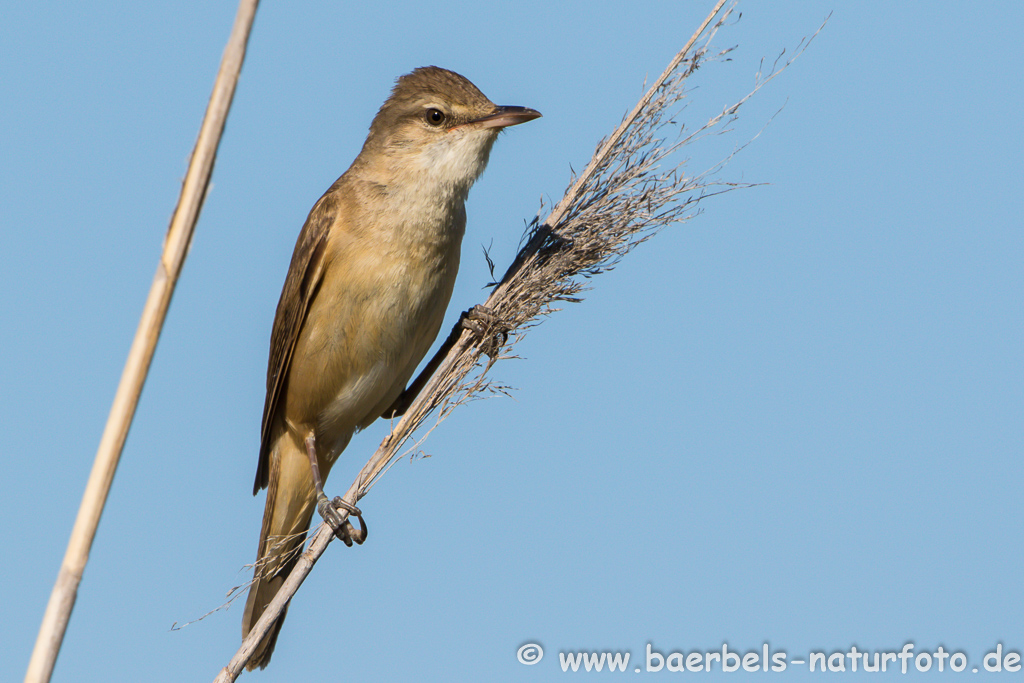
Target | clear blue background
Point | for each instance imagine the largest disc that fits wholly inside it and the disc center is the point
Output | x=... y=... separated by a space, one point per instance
x=797 y=419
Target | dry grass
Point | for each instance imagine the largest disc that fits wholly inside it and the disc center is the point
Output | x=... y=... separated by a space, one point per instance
x=629 y=191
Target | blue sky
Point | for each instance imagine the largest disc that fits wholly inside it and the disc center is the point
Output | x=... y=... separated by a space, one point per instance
x=796 y=419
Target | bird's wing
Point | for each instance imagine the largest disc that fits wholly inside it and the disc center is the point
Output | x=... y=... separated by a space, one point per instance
x=300 y=287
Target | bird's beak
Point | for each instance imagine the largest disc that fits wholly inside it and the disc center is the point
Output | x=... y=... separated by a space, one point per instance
x=505 y=116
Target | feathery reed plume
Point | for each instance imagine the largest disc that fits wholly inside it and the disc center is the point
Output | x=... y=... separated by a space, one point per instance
x=622 y=198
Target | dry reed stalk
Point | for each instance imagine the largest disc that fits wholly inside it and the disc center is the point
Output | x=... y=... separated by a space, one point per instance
x=176 y=243
x=620 y=200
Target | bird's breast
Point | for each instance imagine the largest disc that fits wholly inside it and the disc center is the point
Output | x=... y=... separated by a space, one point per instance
x=378 y=309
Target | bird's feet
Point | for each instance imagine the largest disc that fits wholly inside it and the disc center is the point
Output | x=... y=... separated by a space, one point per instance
x=343 y=529
x=487 y=325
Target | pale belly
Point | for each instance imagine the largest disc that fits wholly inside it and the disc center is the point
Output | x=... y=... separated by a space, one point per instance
x=364 y=344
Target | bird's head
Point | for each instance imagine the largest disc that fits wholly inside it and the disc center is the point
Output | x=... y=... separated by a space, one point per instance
x=437 y=127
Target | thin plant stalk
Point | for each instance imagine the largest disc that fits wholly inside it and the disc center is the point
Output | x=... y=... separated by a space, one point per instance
x=618 y=201
x=176 y=244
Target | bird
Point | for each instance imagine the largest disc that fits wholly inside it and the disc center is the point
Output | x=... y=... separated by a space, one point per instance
x=365 y=295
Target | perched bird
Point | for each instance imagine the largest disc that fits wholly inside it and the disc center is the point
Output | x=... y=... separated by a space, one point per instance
x=364 y=298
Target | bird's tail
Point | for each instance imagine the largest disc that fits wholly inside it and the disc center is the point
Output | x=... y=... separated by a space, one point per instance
x=286 y=521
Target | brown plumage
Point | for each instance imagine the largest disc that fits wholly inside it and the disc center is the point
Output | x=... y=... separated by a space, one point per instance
x=366 y=291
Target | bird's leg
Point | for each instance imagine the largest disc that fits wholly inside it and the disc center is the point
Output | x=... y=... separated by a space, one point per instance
x=328 y=509
x=478 y=320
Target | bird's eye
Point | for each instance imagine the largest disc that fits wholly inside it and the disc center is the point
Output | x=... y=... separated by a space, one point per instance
x=435 y=117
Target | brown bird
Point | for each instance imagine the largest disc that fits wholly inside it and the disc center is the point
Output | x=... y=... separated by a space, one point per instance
x=364 y=298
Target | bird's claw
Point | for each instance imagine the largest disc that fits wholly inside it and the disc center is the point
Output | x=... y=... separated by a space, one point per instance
x=487 y=325
x=343 y=529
